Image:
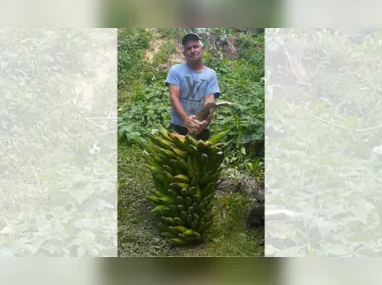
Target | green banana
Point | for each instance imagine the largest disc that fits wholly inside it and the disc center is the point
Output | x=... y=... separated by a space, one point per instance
x=181 y=138
x=180 y=200
x=197 y=235
x=178 y=221
x=154 y=199
x=158 y=160
x=158 y=185
x=203 y=158
x=186 y=238
x=161 y=142
x=160 y=209
x=168 y=169
x=178 y=241
x=179 y=185
x=202 y=206
x=189 y=218
x=182 y=178
x=162 y=199
x=172 y=193
x=168 y=220
x=182 y=164
x=181 y=229
x=172 y=208
x=164 y=133
x=198 y=192
x=216 y=138
x=184 y=192
x=189 y=233
x=204 y=145
x=183 y=215
x=168 y=176
x=180 y=207
x=190 y=167
x=191 y=191
x=196 y=198
x=190 y=210
x=173 y=163
x=163 y=227
x=181 y=143
x=191 y=141
x=188 y=201
x=168 y=234
x=195 y=180
x=172 y=229
x=180 y=153
x=168 y=153
x=148 y=158
x=155 y=168
x=195 y=166
x=194 y=224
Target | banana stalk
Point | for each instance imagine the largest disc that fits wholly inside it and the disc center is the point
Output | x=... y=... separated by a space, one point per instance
x=185 y=172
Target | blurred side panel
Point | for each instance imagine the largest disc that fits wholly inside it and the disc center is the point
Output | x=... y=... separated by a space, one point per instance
x=51 y=14
x=331 y=271
x=330 y=14
x=58 y=166
x=323 y=142
x=45 y=271
x=187 y=13
x=219 y=271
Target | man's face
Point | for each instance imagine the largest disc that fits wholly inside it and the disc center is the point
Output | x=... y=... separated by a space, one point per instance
x=193 y=51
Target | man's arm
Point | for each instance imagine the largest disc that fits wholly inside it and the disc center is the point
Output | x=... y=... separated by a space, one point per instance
x=213 y=92
x=190 y=123
x=205 y=123
x=209 y=99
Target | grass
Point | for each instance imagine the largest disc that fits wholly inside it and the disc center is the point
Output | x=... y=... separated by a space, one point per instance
x=138 y=235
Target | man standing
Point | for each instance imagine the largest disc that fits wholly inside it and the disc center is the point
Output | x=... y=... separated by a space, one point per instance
x=191 y=86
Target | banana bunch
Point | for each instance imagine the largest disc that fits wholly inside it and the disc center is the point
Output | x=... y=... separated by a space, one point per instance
x=185 y=172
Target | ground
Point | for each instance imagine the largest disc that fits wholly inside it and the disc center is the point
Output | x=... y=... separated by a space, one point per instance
x=138 y=235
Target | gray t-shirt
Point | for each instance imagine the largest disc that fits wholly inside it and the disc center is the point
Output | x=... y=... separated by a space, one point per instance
x=194 y=85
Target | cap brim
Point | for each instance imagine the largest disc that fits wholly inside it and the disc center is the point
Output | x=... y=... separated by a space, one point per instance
x=190 y=37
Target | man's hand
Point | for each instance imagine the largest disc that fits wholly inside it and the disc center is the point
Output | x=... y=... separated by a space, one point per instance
x=192 y=124
x=202 y=126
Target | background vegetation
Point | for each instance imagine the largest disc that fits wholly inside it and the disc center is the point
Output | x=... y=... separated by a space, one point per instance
x=324 y=117
x=57 y=143
x=144 y=58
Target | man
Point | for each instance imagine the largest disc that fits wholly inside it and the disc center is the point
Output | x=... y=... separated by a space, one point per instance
x=191 y=86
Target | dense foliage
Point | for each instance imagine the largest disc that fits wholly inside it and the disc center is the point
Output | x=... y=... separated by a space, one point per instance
x=239 y=72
